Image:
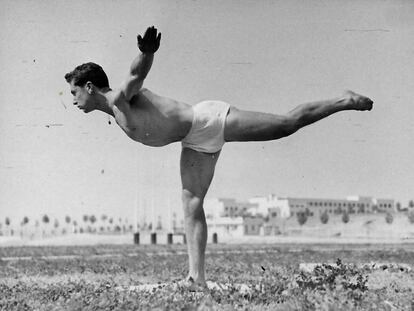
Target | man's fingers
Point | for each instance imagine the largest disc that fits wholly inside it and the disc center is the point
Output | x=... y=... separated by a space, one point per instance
x=159 y=38
x=139 y=40
x=154 y=33
x=150 y=34
x=147 y=33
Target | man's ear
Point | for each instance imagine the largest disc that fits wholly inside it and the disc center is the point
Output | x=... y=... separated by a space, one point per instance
x=90 y=87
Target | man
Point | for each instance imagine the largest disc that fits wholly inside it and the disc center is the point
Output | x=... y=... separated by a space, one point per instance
x=202 y=129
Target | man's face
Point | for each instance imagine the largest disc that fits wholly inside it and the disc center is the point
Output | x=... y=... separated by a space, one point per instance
x=82 y=98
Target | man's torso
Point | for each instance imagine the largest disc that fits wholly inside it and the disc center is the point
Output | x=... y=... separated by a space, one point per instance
x=153 y=120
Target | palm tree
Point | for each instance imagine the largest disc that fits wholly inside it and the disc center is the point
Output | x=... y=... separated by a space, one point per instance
x=75 y=225
x=23 y=223
x=111 y=221
x=159 y=224
x=85 y=220
x=55 y=225
x=7 y=222
x=37 y=224
x=67 y=220
x=92 y=219
x=45 y=220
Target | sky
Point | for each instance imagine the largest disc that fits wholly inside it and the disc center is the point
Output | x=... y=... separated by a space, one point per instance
x=266 y=56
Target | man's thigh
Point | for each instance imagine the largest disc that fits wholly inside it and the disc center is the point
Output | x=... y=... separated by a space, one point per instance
x=243 y=125
x=197 y=171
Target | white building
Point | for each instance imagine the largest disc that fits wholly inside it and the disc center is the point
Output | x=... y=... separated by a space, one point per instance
x=273 y=203
x=385 y=205
x=225 y=207
x=226 y=226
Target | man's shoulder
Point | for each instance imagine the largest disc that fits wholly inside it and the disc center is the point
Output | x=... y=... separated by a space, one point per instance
x=117 y=97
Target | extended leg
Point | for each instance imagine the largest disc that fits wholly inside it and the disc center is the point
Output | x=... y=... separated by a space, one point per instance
x=256 y=126
x=197 y=170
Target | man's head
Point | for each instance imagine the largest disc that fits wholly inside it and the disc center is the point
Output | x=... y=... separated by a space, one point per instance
x=84 y=81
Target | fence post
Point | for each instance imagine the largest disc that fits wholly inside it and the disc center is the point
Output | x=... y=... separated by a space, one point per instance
x=169 y=238
x=153 y=238
x=215 y=238
x=136 y=238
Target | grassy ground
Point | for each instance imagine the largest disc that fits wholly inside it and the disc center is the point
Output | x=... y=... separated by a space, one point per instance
x=89 y=278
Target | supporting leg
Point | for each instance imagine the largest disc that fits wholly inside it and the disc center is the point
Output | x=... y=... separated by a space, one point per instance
x=197 y=170
x=256 y=126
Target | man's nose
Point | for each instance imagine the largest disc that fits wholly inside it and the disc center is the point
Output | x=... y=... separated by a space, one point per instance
x=75 y=103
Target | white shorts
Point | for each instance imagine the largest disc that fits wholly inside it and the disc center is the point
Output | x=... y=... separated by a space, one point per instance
x=207 y=130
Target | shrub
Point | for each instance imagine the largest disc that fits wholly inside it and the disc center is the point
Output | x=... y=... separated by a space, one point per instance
x=345 y=217
x=302 y=218
x=411 y=216
x=389 y=218
x=324 y=217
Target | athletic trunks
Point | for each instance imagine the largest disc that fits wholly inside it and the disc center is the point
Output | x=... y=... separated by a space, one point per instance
x=207 y=130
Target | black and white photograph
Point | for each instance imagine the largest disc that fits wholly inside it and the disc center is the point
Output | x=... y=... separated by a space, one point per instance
x=206 y=155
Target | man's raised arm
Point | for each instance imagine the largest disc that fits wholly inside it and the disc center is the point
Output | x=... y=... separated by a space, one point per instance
x=141 y=65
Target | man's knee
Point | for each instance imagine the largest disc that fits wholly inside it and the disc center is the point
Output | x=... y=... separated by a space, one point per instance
x=192 y=204
x=290 y=124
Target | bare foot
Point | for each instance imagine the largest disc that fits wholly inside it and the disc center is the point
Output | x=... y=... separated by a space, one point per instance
x=358 y=102
x=191 y=285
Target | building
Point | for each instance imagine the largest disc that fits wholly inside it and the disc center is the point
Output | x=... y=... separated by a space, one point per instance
x=227 y=226
x=385 y=205
x=253 y=225
x=268 y=215
x=315 y=206
x=225 y=207
x=270 y=202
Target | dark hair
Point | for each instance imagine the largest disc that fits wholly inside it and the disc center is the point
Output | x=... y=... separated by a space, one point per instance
x=88 y=72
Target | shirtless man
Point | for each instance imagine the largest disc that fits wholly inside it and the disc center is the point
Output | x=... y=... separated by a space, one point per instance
x=202 y=129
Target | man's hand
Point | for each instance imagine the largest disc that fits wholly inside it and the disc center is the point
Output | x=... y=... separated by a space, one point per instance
x=150 y=42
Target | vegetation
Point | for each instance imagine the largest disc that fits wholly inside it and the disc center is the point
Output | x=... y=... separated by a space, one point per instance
x=302 y=218
x=324 y=217
x=345 y=217
x=411 y=216
x=389 y=218
x=86 y=281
